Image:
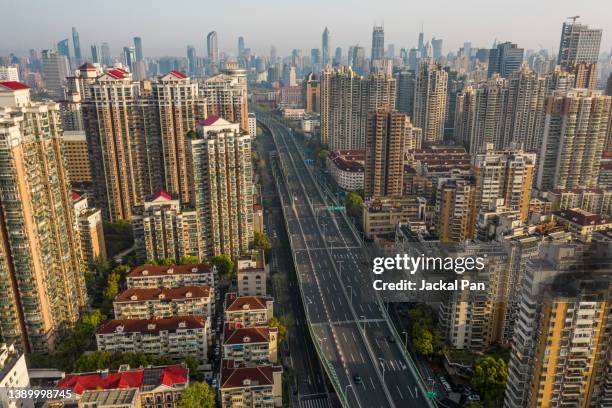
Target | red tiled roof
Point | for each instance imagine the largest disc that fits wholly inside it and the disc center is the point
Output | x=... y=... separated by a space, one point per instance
x=257 y=207
x=178 y=74
x=74 y=195
x=122 y=70
x=234 y=334
x=13 y=85
x=162 y=194
x=234 y=302
x=151 y=325
x=210 y=120
x=160 y=270
x=582 y=218
x=168 y=375
x=116 y=73
x=184 y=292
x=234 y=377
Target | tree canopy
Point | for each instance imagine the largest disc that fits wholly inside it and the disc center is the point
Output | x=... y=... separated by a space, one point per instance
x=354 y=204
x=282 y=329
x=261 y=241
x=224 y=265
x=197 y=395
x=489 y=379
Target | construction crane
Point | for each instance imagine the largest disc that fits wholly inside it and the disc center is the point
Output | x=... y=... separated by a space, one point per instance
x=573 y=18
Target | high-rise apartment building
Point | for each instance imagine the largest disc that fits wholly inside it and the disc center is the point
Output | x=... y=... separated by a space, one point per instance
x=9 y=73
x=77 y=156
x=384 y=152
x=505 y=59
x=165 y=229
x=178 y=108
x=325 y=47
x=378 y=47
x=573 y=140
x=226 y=96
x=579 y=43
x=430 y=101
x=312 y=93
x=41 y=270
x=221 y=168
x=55 y=71
x=212 y=51
x=346 y=99
x=456 y=208
x=90 y=228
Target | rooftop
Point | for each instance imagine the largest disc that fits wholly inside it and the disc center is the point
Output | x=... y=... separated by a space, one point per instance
x=583 y=218
x=143 y=379
x=151 y=325
x=233 y=334
x=184 y=292
x=233 y=376
x=234 y=303
x=162 y=270
x=13 y=85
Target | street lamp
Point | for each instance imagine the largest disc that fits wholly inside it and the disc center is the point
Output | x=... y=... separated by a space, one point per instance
x=382 y=366
x=351 y=292
x=364 y=323
x=405 y=333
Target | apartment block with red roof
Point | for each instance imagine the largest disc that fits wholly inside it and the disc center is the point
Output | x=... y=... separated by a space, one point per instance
x=250 y=345
x=150 y=387
x=249 y=311
x=175 y=337
x=259 y=386
x=173 y=276
x=164 y=302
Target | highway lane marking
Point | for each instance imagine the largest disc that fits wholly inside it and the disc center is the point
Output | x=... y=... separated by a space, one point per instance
x=392 y=365
x=362 y=359
x=354 y=338
x=344 y=335
x=371 y=382
x=400 y=393
x=353 y=357
x=410 y=391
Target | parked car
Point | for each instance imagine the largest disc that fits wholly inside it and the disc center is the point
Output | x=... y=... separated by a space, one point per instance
x=357 y=379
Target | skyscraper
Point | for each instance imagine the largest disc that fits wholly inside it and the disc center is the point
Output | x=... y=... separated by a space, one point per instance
x=421 y=42
x=96 y=54
x=105 y=55
x=436 y=45
x=312 y=93
x=325 y=47
x=430 y=101
x=129 y=57
x=406 y=81
x=76 y=44
x=221 y=168
x=378 y=47
x=579 y=43
x=346 y=99
x=192 y=59
x=240 y=47
x=384 y=152
x=338 y=56
x=505 y=59
x=55 y=71
x=138 y=48
x=212 y=51
x=574 y=136
x=41 y=269
x=63 y=48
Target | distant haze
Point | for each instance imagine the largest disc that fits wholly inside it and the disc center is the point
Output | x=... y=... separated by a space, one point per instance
x=167 y=27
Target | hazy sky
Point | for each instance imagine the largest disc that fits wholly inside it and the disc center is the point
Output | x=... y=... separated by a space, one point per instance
x=167 y=27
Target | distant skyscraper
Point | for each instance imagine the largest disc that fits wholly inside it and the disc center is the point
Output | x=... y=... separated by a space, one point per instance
x=406 y=82
x=378 y=47
x=63 y=48
x=138 y=48
x=96 y=54
x=192 y=59
x=240 y=47
x=129 y=57
x=338 y=56
x=105 y=55
x=421 y=43
x=325 y=47
x=357 y=59
x=573 y=141
x=76 y=44
x=391 y=51
x=384 y=152
x=467 y=49
x=579 y=43
x=221 y=168
x=315 y=59
x=505 y=59
x=55 y=70
x=430 y=102
x=212 y=50
x=272 y=54
x=41 y=269
x=436 y=45
x=346 y=99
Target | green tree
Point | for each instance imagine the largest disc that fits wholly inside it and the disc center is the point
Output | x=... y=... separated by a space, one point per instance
x=186 y=260
x=354 y=204
x=192 y=363
x=422 y=339
x=224 y=265
x=118 y=236
x=489 y=379
x=167 y=261
x=261 y=241
x=197 y=395
x=282 y=329
x=321 y=156
x=93 y=361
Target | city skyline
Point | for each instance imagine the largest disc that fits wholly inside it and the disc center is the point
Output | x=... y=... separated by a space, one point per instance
x=478 y=28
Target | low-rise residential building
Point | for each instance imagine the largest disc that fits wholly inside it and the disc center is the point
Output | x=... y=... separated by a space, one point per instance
x=13 y=374
x=310 y=123
x=252 y=274
x=347 y=168
x=90 y=227
x=175 y=337
x=259 y=386
x=250 y=345
x=248 y=310
x=293 y=113
x=172 y=276
x=582 y=223
x=594 y=200
x=164 y=302
x=381 y=215
x=151 y=387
